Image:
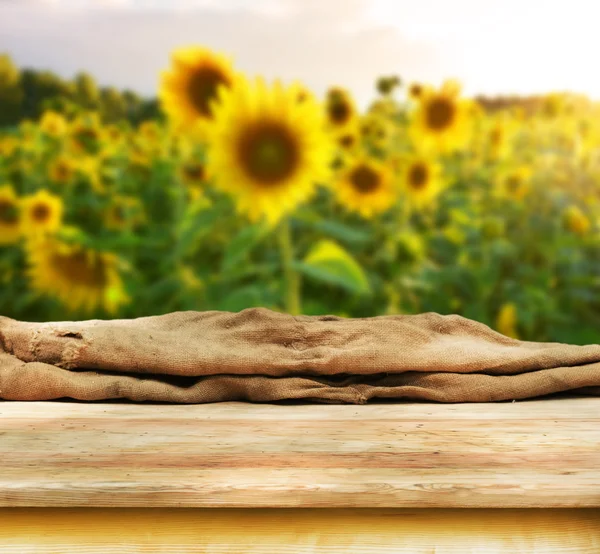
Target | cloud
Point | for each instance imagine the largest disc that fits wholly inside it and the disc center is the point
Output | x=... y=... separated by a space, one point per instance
x=320 y=43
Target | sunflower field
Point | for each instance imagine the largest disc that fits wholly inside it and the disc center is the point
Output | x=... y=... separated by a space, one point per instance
x=247 y=193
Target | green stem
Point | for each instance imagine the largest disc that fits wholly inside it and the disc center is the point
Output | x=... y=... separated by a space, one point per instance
x=292 y=279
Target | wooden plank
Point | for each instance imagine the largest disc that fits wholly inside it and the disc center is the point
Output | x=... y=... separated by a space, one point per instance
x=534 y=453
x=298 y=531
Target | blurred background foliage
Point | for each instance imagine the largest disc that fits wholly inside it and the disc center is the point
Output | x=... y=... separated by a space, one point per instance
x=227 y=192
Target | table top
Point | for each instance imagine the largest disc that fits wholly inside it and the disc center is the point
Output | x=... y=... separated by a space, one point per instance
x=525 y=454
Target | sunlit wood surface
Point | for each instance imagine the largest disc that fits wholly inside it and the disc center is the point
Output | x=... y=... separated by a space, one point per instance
x=298 y=531
x=539 y=453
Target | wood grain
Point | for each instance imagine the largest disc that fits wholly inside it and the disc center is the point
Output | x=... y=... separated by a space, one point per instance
x=298 y=531
x=534 y=453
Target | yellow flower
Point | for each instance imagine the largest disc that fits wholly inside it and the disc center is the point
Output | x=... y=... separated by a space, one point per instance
x=421 y=179
x=41 y=212
x=576 y=221
x=90 y=167
x=10 y=225
x=149 y=131
x=415 y=91
x=303 y=92
x=384 y=107
x=500 y=137
x=506 y=320
x=193 y=173
x=189 y=279
x=62 y=169
x=514 y=182
x=86 y=134
x=267 y=149
x=366 y=187
x=114 y=133
x=376 y=130
x=340 y=108
x=441 y=121
x=451 y=87
x=188 y=92
x=8 y=145
x=194 y=176
x=53 y=124
x=124 y=212
x=82 y=279
x=349 y=140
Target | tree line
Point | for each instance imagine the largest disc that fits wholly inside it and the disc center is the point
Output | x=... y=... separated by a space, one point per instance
x=27 y=93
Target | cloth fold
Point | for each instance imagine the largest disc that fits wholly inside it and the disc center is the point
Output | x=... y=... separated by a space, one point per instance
x=260 y=355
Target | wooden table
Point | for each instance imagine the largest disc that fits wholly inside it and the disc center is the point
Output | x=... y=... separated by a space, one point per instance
x=235 y=477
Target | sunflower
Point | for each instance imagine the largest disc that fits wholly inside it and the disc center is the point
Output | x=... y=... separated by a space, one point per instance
x=62 y=169
x=500 y=138
x=90 y=168
x=267 y=149
x=453 y=87
x=506 y=320
x=348 y=140
x=576 y=221
x=41 y=212
x=114 y=133
x=421 y=179
x=366 y=186
x=339 y=108
x=8 y=146
x=82 y=279
x=384 y=107
x=86 y=134
x=376 y=130
x=514 y=182
x=303 y=92
x=188 y=92
x=124 y=212
x=53 y=124
x=10 y=225
x=415 y=91
x=193 y=175
x=441 y=120
x=149 y=131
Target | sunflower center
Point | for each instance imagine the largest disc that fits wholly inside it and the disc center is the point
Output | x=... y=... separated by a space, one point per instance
x=8 y=212
x=417 y=176
x=440 y=114
x=40 y=212
x=416 y=90
x=339 y=111
x=62 y=171
x=347 y=141
x=496 y=137
x=268 y=152
x=194 y=172
x=77 y=267
x=202 y=88
x=513 y=183
x=118 y=213
x=365 y=179
x=86 y=136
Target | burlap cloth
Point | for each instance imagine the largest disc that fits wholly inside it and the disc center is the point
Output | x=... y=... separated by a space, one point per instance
x=261 y=355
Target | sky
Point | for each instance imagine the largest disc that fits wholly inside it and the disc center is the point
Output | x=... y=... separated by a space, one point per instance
x=492 y=47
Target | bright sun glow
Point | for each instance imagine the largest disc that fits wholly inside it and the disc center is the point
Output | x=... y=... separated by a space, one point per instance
x=505 y=47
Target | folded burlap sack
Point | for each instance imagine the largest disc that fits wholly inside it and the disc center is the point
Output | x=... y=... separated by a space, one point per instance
x=261 y=355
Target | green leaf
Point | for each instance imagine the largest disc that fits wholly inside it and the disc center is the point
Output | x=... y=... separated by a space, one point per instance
x=245 y=297
x=196 y=223
x=241 y=245
x=334 y=229
x=327 y=261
